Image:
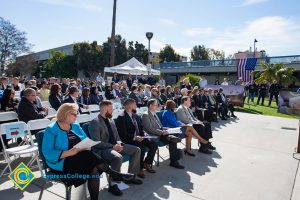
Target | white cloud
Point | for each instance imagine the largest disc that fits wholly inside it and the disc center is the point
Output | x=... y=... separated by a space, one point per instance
x=252 y=2
x=167 y=22
x=192 y=32
x=89 y=5
x=275 y=34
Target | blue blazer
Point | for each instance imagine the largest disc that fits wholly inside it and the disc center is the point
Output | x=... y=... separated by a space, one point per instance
x=56 y=141
x=169 y=119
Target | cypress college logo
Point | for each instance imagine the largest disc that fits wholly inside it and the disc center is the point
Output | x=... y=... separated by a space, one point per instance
x=21 y=176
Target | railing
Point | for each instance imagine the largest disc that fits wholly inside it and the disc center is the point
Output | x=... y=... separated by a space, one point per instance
x=229 y=63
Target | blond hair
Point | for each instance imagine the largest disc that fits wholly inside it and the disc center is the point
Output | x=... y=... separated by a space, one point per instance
x=64 y=111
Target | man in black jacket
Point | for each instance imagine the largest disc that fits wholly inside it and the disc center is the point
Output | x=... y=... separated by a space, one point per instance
x=27 y=110
x=131 y=132
x=274 y=91
x=262 y=92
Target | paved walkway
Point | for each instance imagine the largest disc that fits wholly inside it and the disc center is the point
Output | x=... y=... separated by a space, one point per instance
x=254 y=161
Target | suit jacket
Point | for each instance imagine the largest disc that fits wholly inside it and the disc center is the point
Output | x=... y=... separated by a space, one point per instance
x=56 y=141
x=27 y=111
x=126 y=127
x=150 y=125
x=134 y=96
x=99 y=132
x=204 y=99
x=182 y=115
x=55 y=101
x=69 y=99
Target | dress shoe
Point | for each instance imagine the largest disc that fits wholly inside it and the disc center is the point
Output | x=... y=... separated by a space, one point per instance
x=233 y=116
x=173 y=138
x=149 y=168
x=188 y=153
x=115 y=190
x=176 y=165
x=210 y=146
x=204 y=149
x=134 y=181
x=141 y=174
x=123 y=177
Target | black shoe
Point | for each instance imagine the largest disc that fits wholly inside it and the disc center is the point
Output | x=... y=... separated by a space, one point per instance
x=123 y=177
x=204 y=149
x=173 y=138
x=210 y=146
x=223 y=118
x=188 y=153
x=134 y=181
x=115 y=190
x=233 y=116
x=227 y=116
x=176 y=165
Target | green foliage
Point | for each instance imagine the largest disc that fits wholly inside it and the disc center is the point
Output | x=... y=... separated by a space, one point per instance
x=138 y=51
x=194 y=79
x=120 y=51
x=281 y=73
x=60 y=65
x=199 y=53
x=88 y=57
x=168 y=54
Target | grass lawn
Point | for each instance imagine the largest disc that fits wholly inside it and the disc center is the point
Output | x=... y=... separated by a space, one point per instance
x=263 y=110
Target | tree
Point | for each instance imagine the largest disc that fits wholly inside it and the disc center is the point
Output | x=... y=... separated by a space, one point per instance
x=60 y=65
x=22 y=66
x=12 y=43
x=112 y=44
x=216 y=54
x=280 y=72
x=199 y=53
x=138 y=51
x=168 y=54
x=120 y=50
x=88 y=57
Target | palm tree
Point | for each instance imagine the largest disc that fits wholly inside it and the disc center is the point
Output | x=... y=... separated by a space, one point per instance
x=280 y=72
x=112 y=44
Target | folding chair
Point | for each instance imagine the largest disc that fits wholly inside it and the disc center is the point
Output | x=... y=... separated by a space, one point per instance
x=94 y=108
x=51 y=112
x=48 y=173
x=117 y=106
x=141 y=110
x=6 y=117
x=116 y=113
x=46 y=104
x=18 y=130
x=81 y=119
x=37 y=125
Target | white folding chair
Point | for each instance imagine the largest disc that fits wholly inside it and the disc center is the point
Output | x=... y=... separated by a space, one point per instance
x=46 y=104
x=93 y=116
x=38 y=124
x=53 y=119
x=83 y=118
x=18 y=130
x=116 y=113
x=117 y=106
x=51 y=112
x=8 y=117
x=141 y=110
x=94 y=108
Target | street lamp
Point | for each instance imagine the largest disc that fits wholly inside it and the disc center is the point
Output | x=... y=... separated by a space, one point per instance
x=149 y=35
x=254 y=46
x=41 y=71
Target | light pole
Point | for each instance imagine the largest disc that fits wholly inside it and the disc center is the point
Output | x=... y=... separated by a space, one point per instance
x=149 y=35
x=41 y=71
x=254 y=47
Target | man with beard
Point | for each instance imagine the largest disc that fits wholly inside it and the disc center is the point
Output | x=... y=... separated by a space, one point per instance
x=111 y=148
x=131 y=132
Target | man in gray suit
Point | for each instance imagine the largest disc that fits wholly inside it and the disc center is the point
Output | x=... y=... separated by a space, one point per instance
x=185 y=115
x=111 y=148
x=152 y=126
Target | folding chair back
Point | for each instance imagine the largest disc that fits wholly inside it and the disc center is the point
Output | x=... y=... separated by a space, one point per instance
x=8 y=117
x=46 y=104
x=81 y=119
x=85 y=128
x=94 y=108
x=38 y=124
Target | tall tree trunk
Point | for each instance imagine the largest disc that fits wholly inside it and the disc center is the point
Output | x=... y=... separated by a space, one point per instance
x=112 y=44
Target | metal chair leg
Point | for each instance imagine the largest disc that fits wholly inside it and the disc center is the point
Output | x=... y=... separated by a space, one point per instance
x=157 y=162
x=42 y=189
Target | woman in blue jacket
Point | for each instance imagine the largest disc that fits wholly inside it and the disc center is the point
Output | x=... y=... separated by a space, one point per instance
x=64 y=159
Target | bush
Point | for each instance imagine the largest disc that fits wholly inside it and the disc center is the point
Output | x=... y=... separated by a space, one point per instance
x=194 y=79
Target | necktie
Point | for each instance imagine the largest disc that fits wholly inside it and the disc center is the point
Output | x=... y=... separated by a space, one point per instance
x=135 y=126
x=157 y=120
x=188 y=114
x=191 y=114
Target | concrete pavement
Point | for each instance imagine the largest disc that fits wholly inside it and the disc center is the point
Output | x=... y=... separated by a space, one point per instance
x=254 y=161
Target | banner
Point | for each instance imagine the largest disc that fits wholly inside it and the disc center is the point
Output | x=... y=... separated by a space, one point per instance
x=234 y=92
x=289 y=102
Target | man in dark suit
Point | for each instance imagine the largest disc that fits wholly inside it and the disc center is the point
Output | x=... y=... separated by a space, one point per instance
x=27 y=110
x=111 y=148
x=152 y=125
x=129 y=80
x=131 y=132
x=142 y=80
x=73 y=94
x=225 y=103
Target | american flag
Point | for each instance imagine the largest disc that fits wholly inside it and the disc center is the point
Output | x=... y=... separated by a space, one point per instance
x=245 y=67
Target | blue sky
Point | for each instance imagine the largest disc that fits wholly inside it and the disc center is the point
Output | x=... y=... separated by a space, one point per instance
x=229 y=25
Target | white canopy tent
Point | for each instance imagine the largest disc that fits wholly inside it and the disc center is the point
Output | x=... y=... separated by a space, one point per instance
x=132 y=66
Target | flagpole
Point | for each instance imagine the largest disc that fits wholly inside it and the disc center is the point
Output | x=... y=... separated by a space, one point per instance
x=254 y=46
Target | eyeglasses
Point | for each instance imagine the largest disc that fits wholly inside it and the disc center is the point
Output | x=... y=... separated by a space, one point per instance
x=74 y=114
